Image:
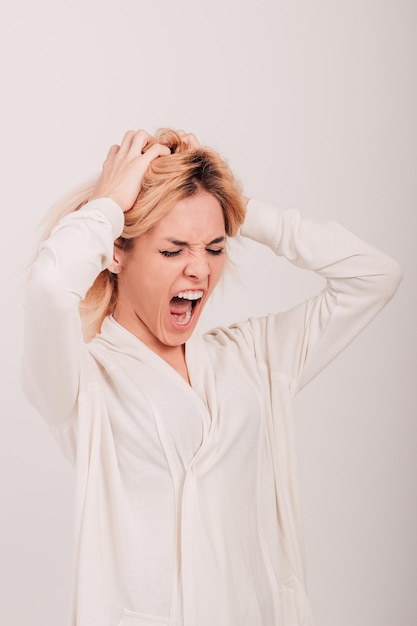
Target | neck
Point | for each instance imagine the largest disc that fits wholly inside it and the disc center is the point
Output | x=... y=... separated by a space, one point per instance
x=175 y=357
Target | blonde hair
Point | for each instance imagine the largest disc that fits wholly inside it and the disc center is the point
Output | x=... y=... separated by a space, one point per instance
x=168 y=180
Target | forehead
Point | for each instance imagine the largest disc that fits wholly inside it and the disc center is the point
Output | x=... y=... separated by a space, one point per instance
x=195 y=217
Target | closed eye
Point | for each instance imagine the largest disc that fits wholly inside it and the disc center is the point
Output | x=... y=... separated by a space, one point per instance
x=215 y=251
x=170 y=253
x=174 y=253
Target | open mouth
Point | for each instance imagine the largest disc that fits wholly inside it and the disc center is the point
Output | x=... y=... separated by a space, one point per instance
x=182 y=306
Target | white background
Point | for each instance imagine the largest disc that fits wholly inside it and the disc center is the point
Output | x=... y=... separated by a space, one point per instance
x=313 y=102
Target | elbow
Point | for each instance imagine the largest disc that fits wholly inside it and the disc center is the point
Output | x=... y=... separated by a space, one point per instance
x=392 y=279
x=380 y=286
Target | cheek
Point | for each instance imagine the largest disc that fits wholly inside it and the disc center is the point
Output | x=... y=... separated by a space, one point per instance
x=152 y=274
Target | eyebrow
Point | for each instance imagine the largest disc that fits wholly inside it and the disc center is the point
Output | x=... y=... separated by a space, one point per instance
x=177 y=242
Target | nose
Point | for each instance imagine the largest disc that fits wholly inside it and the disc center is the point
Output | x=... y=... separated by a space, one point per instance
x=197 y=267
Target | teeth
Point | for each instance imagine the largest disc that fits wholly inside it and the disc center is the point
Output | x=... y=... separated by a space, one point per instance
x=190 y=295
x=186 y=319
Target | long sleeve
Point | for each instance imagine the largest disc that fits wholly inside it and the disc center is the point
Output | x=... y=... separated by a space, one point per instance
x=360 y=280
x=79 y=248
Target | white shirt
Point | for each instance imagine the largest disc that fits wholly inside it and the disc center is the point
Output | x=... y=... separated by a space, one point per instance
x=186 y=496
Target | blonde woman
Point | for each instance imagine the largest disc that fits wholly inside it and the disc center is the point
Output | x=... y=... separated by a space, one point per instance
x=186 y=502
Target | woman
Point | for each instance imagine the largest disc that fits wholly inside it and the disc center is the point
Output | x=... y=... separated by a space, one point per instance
x=186 y=502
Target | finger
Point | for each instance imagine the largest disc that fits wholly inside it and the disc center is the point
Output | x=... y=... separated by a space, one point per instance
x=155 y=151
x=190 y=139
x=112 y=151
x=140 y=140
x=126 y=142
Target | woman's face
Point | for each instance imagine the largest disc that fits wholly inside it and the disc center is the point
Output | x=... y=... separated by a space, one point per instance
x=166 y=279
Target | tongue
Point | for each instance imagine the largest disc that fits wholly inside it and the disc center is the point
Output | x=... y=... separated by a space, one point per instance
x=179 y=306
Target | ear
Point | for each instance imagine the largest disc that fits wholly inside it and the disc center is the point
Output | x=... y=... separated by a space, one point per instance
x=115 y=266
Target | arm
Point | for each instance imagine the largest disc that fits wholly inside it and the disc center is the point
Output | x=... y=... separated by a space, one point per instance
x=79 y=248
x=360 y=280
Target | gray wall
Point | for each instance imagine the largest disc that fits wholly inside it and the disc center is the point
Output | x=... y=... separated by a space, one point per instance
x=313 y=103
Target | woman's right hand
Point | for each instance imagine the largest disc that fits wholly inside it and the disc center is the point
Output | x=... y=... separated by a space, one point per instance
x=124 y=168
